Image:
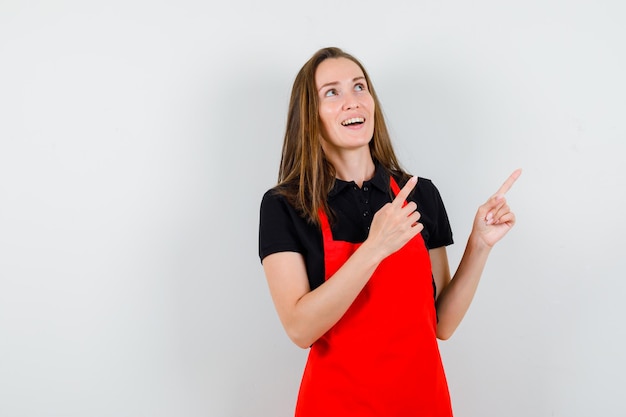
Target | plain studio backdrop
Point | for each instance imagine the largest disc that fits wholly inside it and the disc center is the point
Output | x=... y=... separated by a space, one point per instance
x=136 y=141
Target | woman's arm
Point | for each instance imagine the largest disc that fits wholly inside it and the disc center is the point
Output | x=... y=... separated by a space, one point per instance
x=454 y=296
x=306 y=315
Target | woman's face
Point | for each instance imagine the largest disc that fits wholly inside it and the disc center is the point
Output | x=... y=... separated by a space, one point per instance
x=346 y=106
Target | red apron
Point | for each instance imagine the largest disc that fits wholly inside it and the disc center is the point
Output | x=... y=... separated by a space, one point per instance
x=381 y=359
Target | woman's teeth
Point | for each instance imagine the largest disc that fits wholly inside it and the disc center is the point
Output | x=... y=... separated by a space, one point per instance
x=352 y=121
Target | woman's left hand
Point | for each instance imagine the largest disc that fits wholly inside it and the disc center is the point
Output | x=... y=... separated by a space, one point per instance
x=495 y=218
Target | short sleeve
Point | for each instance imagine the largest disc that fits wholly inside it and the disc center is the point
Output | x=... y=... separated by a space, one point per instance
x=277 y=232
x=438 y=232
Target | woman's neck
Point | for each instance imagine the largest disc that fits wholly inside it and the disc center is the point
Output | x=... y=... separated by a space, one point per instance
x=357 y=167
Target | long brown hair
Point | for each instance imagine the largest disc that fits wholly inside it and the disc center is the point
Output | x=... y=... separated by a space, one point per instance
x=306 y=177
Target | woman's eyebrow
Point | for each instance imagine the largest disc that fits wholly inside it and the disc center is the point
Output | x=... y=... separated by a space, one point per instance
x=337 y=82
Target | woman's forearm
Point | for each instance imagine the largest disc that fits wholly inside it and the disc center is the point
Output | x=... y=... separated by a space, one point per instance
x=456 y=297
x=318 y=310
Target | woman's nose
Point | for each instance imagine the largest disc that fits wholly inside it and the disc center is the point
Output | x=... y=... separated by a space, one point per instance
x=351 y=102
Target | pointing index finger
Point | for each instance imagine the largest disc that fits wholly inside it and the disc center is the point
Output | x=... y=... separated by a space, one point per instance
x=509 y=182
x=404 y=192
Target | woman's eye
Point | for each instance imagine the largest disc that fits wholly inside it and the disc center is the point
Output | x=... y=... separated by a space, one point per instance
x=359 y=87
x=331 y=92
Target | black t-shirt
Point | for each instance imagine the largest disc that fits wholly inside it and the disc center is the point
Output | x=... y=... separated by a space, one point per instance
x=282 y=229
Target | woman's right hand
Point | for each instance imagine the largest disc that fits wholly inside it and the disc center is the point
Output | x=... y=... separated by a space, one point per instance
x=395 y=223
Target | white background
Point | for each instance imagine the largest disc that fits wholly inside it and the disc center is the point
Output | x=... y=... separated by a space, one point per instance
x=136 y=141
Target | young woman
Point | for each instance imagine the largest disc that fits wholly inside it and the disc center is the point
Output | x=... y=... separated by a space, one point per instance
x=354 y=251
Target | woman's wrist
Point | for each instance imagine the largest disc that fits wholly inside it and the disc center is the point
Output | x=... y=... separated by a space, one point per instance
x=371 y=251
x=476 y=243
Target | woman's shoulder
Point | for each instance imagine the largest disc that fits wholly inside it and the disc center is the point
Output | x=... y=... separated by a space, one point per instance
x=424 y=185
x=425 y=193
x=276 y=203
x=275 y=198
x=272 y=194
x=281 y=192
x=425 y=190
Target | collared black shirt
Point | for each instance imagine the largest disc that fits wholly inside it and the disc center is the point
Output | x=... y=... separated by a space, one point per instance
x=282 y=229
